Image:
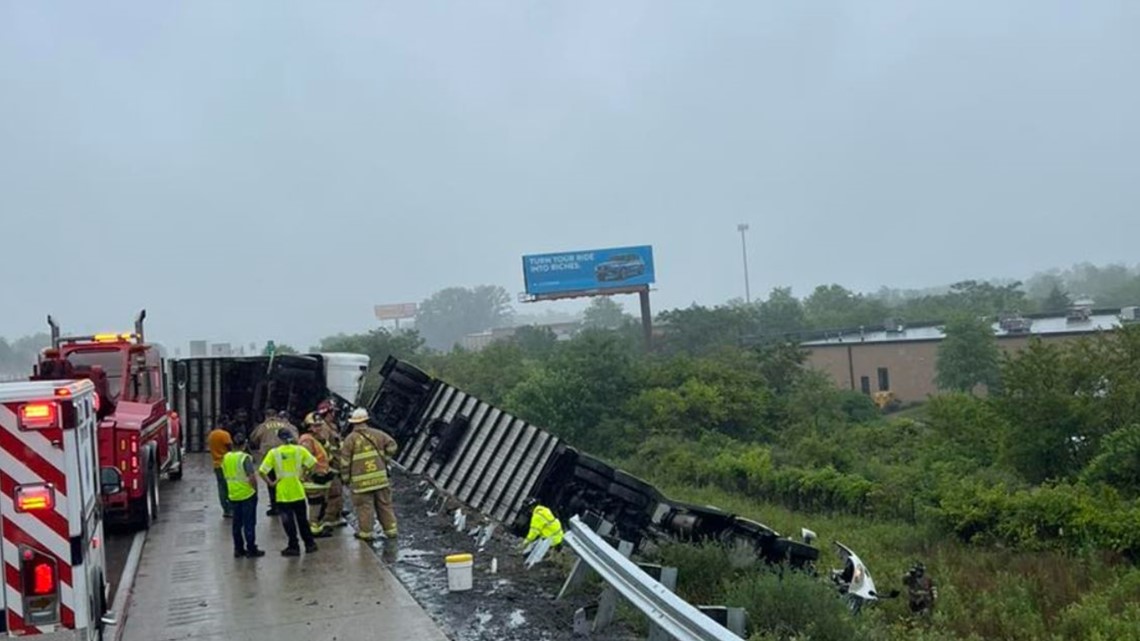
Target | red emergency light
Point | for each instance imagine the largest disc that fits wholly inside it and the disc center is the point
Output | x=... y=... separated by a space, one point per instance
x=35 y=498
x=38 y=416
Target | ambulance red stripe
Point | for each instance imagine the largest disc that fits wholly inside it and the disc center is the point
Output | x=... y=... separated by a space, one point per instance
x=16 y=536
x=42 y=468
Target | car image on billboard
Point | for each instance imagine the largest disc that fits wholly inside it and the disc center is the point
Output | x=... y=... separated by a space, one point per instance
x=620 y=267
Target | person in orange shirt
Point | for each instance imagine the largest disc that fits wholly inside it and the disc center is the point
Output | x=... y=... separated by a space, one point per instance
x=219 y=442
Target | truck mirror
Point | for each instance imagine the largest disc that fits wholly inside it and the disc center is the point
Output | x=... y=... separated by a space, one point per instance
x=110 y=480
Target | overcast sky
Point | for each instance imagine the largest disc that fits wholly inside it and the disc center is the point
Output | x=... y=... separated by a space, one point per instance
x=252 y=170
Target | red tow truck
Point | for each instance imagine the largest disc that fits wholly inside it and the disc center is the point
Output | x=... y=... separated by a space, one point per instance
x=139 y=438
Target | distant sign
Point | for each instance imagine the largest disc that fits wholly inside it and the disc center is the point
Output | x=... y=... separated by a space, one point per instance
x=395 y=312
x=613 y=268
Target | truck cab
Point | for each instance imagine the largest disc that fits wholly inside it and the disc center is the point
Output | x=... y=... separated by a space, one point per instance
x=137 y=434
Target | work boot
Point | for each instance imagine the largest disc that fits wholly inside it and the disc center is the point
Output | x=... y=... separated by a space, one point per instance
x=255 y=553
x=239 y=554
x=271 y=512
x=291 y=552
x=311 y=548
x=364 y=537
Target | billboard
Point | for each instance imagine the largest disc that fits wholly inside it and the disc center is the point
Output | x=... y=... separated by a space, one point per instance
x=592 y=270
x=395 y=312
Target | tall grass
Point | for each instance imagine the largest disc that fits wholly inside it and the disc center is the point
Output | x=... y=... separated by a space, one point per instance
x=984 y=592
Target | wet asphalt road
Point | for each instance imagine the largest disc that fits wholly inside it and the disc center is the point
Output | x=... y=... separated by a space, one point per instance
x=115 y=552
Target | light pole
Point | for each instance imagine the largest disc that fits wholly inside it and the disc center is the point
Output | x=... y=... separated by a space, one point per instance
x=743 y=227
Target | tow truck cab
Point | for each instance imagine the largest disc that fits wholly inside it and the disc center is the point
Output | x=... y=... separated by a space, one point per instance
x=138 y=437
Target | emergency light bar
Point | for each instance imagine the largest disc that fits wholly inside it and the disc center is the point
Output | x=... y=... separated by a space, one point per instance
x=39 y=416
x=35 y=497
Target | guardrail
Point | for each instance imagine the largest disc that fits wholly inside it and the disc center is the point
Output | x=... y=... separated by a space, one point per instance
x=666 y=610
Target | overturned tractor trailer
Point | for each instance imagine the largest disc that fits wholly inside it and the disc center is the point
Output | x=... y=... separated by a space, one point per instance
x=493 y=461
x=204 y=390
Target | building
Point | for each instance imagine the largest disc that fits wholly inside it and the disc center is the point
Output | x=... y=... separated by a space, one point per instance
x=901 y=360
x=563 y=331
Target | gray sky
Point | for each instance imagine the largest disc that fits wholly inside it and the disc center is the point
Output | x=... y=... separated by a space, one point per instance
x=249 y=170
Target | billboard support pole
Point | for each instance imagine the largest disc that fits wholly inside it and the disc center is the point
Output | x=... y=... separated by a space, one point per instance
x=646 y=318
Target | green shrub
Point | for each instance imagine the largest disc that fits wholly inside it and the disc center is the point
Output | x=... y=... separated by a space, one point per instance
x=792 y=606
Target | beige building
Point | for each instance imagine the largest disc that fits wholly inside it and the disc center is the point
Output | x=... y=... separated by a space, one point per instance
x=902 y=360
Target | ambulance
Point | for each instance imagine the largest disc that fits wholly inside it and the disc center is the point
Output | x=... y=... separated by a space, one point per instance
x=51 y=520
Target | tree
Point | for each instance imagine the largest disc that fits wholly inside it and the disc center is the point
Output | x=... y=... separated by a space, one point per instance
x=700 y=330
x=279 y=348
x=535 y=341
x=968 y=356
x=604 y=313
x=835 y=307
x=378 y=344
x=782 y=313
x=1056 y=301
x=452 y=313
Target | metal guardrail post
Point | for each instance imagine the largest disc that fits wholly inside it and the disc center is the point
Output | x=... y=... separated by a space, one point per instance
x=607 y=602
x=677 y=618
x=580 y=570
x=667 y=577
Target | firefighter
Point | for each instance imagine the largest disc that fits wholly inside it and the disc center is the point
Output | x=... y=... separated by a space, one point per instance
x=920 y=589
x=364 y=469
x=325 y=431
x=289 y=462
x=316 y=480
x=543 y=524
x=241 y=489
x=218 y=441
x=264 y=438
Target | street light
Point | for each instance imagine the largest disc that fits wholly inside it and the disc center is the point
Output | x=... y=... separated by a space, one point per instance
x=743 y=227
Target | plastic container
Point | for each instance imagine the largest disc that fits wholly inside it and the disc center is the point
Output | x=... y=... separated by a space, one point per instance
x=459 y=572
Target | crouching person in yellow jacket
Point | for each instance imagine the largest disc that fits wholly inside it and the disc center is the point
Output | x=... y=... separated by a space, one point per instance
x=364 y=469
x=543 y=524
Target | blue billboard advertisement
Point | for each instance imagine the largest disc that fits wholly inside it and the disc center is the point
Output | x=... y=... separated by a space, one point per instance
x=613 y=268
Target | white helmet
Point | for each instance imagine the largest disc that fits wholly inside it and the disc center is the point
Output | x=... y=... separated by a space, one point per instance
x=359 y=415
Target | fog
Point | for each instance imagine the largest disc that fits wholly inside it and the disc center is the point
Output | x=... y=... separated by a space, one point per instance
x=271 y=170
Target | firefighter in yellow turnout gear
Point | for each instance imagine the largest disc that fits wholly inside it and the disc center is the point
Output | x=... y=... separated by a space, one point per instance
x=317 y=480
x=325 y=429
x=364 y=469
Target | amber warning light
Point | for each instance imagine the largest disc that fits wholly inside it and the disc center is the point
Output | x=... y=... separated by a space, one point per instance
x=35 y=498
x=36 y=416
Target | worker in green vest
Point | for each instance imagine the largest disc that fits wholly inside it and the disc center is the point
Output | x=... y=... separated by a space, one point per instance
x=543 y=523
x=241 y=489
x=288 y=462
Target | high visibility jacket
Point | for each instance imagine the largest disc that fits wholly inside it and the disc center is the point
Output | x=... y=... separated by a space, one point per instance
x=310 y=443
x=288 y=462
x=363 y=459
x=238 y=486
x=543 y=523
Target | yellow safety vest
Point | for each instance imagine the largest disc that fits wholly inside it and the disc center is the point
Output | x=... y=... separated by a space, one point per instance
x=237 y=482
x=288 y=461
x=543 y=523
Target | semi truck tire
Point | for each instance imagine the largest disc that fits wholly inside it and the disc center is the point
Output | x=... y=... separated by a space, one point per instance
x=144 y=510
